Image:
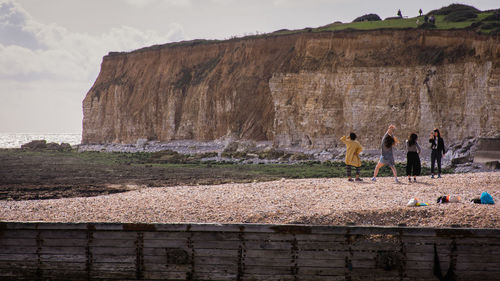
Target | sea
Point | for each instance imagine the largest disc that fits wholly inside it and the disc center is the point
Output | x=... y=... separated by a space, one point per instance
x=15 y=140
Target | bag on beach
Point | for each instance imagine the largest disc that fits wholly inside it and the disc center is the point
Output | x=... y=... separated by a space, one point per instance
x=486 y=198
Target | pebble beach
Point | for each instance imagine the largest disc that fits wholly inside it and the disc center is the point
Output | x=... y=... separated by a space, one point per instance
x=333 y=201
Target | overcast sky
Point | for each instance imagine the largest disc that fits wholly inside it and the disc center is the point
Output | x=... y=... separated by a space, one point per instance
x=51 y=50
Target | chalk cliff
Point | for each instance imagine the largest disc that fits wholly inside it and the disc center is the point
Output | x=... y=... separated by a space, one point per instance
x=302 y=90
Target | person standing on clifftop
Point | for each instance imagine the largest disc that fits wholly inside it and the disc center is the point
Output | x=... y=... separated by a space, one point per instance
x=387 y=157
x=438 y=150
x=352 y=159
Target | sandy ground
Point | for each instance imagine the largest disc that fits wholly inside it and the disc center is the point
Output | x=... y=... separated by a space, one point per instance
x=306 y=201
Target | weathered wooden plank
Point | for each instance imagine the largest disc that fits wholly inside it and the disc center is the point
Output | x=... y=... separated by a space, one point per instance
x=417 y=265
x=112 y=251
x=479 y=275
x=321 y=246
x=325 y=255
x=484 y=249
x=321 y=271
x=18 y=265
x=62 y=266
x=267 y=261
x=374 y=246
x=21 y=273
x=201 y=227
x=494 y=241
x=312 y=263
x=62 y=250
x=428 y=240
x=18 y=234
x=102 y=258
x=215 y=253
x=215 y=276
x=81 y=258
x=460 y=249
x=19 y=249
x=10 y=226
x=163 y=235
x=479 y=258
x=268 y=253
x=367 y=273
x=58 y=275
x=18 y=257
x=154 y=260
x=418 y=248
x=426 y=256
x=16 y=242
x=120 y=243
x=422 y=273
x=106 y=235
x=159 y=267
x=113 y=275
x=364 y=264
x=61 y=226
x=190 y=276
x=63 y=234
x=478 y=266
x=260 y=228
x=162 y=251
x=267 y=245
x=50 y=242
x=290 y=277
x=231 y=269
x=233 y=261
x=113 y=266
x=156 y=275
x=269 y=269
x=157 y=243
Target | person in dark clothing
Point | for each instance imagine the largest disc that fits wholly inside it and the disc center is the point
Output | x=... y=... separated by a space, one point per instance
x=413 y=166
x=438 y=151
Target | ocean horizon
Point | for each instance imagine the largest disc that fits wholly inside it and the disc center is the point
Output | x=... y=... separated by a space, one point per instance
x=15 y=140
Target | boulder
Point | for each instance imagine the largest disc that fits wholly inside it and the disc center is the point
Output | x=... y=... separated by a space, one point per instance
x=34 y=145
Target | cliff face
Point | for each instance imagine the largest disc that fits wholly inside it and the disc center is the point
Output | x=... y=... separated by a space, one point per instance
x=303 y=90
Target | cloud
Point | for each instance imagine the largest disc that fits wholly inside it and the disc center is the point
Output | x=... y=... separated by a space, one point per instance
x=144 y=3
x=14 y=26
x=288 y=3
x=55 y=51
x=52 y=61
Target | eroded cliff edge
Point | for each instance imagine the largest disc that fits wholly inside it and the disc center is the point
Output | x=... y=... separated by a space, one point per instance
x=303 y=90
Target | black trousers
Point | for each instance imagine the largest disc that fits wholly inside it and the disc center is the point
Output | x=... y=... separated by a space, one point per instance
x=349 y=167
x=436 y=156
x=413 y=166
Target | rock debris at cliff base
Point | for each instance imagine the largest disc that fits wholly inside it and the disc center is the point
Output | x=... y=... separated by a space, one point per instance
x=306 y=201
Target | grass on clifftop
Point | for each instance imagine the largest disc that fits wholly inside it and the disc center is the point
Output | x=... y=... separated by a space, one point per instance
x=402 y=23
x=486 y=22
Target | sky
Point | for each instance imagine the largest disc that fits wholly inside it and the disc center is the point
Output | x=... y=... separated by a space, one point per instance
x=51 y=50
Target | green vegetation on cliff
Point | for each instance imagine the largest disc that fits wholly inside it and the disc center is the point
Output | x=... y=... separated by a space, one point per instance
x=455 y=16
x=479 y=23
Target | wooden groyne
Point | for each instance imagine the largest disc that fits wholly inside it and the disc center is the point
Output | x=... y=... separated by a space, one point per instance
x=97 y=251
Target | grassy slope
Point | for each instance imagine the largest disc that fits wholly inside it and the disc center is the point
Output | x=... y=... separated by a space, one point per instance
x=393 y=24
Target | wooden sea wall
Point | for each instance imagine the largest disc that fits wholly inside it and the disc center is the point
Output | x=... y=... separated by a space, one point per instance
x=96 y=251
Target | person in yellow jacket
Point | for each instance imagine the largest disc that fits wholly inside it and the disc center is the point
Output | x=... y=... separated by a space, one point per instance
x=352 y=159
